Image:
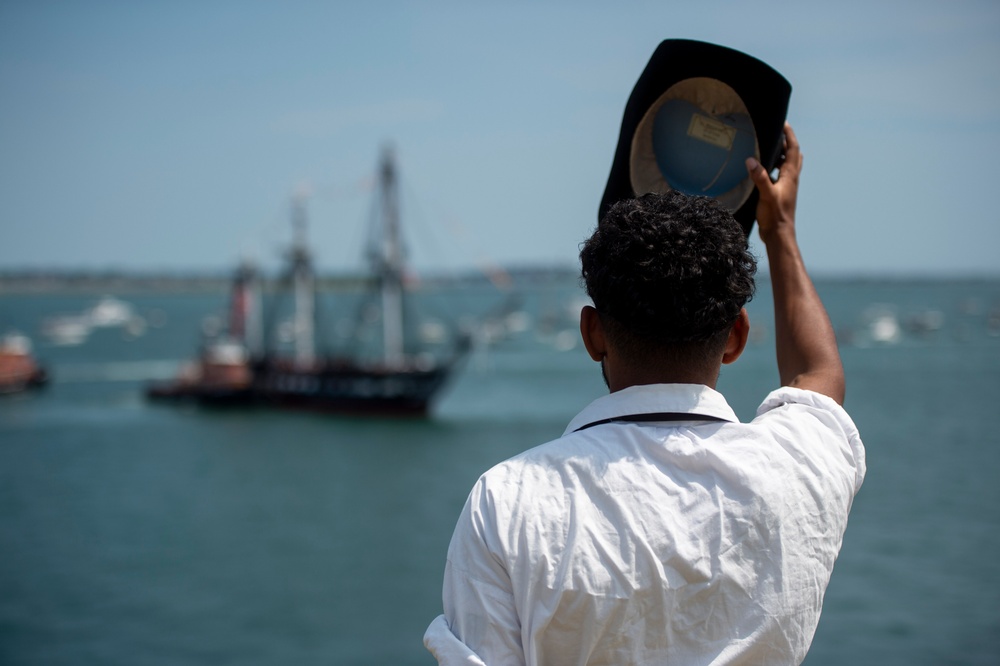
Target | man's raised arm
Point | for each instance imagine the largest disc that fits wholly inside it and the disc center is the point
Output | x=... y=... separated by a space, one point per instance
x=806 y=344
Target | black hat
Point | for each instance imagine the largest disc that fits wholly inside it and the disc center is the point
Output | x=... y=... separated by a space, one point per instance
x=696 y=113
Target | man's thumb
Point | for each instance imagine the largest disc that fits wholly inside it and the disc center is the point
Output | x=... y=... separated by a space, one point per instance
x=756 y=171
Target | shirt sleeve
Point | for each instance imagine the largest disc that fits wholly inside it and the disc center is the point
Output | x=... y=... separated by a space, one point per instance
x=825 y=413
x=479 y=606
x=447 y=648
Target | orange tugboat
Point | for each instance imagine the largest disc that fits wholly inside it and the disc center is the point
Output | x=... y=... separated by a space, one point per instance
x=18 y=369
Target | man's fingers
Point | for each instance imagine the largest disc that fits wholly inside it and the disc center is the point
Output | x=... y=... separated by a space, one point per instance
x=791 y=141
x=793 y=154
x=788 y=173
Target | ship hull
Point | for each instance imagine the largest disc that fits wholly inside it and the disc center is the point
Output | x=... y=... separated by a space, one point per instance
x=336 y=388
x=210 y=396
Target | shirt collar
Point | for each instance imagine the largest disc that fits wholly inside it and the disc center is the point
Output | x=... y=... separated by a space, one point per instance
x=694 y=399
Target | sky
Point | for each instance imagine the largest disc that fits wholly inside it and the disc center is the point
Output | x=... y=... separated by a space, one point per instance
x=172 y=136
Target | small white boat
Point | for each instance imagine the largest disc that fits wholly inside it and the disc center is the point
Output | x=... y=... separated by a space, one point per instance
x=883 y=324
x=66 y=330
x=109 y=312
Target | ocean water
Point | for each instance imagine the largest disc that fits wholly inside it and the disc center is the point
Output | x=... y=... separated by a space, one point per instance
x=138 y=533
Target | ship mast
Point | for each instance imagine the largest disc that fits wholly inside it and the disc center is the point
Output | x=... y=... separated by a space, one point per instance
x=388 y=259
x=245 y=323
x=303 y=286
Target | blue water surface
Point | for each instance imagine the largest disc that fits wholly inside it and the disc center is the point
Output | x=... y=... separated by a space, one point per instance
x=138 y=533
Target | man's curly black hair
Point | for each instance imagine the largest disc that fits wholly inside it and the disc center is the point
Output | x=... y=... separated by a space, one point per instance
x=668 y=270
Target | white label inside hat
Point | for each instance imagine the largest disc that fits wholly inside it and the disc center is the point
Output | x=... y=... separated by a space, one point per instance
x=711 y=131
x=695 y=138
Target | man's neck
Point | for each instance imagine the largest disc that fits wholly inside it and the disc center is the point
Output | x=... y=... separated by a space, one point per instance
x=618 y=378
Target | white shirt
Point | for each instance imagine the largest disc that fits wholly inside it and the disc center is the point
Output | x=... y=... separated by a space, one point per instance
x=691 y=542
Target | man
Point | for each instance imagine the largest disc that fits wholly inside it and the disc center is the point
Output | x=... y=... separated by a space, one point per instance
x=659 y=529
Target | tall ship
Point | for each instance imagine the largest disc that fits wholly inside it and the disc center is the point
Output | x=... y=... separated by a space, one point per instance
x=247 y=368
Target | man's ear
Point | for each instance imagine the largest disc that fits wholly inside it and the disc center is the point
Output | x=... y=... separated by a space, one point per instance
x=738 y=335
x=592 y=332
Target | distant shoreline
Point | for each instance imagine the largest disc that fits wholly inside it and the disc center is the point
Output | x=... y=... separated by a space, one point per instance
x=27 y=282
x=121 y=282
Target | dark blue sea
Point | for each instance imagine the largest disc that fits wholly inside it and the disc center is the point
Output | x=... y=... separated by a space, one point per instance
x=149 y=534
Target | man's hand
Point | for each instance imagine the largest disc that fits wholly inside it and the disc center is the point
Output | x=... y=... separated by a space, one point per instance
x=776 y=208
